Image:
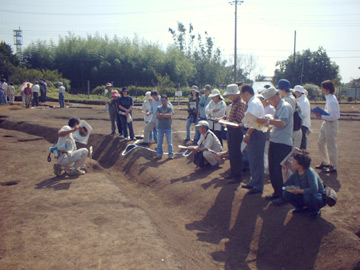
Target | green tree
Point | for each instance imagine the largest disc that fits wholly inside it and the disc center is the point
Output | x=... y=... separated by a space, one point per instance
x=309 y=67
x=8 y=61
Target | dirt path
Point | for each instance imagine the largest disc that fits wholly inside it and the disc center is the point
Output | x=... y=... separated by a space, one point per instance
x=135 y=212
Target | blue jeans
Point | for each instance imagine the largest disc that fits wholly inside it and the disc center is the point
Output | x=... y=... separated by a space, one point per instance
x=151 y=133
x=191 y=119
x=2 y=98
x=61 y=100
x=311 y=201
x=160 y=136
x=125 y=125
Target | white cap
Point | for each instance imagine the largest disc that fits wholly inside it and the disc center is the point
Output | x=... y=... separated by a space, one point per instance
x=299 y=88
x=203 y=123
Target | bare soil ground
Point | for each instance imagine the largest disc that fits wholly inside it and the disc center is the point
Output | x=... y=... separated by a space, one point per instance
x=135 y=212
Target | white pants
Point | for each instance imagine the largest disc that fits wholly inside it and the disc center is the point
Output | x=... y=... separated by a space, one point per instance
x=327 y=142
x=212 y=158
x=297 y=135
x=78 y=156
x=147 y=129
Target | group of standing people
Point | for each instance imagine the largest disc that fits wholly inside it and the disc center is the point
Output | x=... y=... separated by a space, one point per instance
x=7 y=91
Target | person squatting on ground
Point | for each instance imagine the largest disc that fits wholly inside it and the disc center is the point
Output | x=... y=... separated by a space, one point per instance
x=204 y=101
x=61 y=91
x=28 y=95
x=283 y=87
x=235 y=134
x=328 y=130
x=193 y=111
x=11 y=93
x=36 y=89
x=280 y=140
x=216 y=109
x=3 y=90
x=146 y=109
x=125 y=104
x=164 y=127
x=305 y=113
x=75 y=157
x=208 y=145
x=255 y=140
x=304 y=188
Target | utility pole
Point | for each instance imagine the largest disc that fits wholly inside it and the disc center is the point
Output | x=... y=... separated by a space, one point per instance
x=294 y=57
x=236 y=3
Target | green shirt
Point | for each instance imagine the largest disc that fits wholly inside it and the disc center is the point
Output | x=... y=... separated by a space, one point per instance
x=166 y=122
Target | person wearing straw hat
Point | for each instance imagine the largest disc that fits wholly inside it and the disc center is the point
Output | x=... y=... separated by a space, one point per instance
x=208 y=145
x=280 y=140
x=193 y=111
x=235 y=134
x=255 y=140
x=146 y=109
x=305 y=113
x=216 y=109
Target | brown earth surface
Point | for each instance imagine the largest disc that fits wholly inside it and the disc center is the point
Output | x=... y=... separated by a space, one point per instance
x=135 y=212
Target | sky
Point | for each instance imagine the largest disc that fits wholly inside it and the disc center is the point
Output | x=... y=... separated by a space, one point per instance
x=265 y=27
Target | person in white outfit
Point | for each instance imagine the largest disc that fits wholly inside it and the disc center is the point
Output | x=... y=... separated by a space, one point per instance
x=329 y=128
x=146 y=109
x=208 y=144
x=214 y=110
x=11 y=93
x=75 y=157
x=305 y=113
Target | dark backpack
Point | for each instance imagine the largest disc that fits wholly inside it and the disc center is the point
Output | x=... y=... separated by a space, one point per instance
x=297 y=117
x=199 y=159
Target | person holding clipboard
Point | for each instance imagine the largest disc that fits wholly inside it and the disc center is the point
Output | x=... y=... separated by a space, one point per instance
x=327 y=138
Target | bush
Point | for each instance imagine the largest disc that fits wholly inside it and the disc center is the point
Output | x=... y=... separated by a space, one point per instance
x=314 y=91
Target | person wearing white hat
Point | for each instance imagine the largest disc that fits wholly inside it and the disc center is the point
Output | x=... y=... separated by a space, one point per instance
x=280 y=140
x=305 y=113
x=61 y=91
x=235 y=134
x=214 y=110
x=208 y=145
x=146 y=109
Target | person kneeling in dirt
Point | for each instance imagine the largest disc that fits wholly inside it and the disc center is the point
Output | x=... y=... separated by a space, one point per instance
x=75 y=157
x=208 y=146
x=304 y=188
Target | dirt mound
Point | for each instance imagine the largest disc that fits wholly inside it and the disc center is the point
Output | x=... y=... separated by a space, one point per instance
x=207 y=223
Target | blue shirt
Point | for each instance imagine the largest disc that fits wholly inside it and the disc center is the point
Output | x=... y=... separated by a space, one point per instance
x=310 y=182
x=204 y=101
x=126 y=102
x=284 y=112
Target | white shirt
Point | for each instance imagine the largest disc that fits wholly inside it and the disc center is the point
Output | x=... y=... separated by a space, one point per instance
x=221 y=106
x=210 y=141
x=35 y=88
x=332 y=108
x=305 y=110
x=255 y=107
x=269 y=109
x=3 y=86
x=70 y=137
x=11 y=90
x=146 y=107
x=61 y=90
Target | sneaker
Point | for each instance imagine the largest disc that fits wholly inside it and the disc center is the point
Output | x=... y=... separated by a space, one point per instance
x=57 y=169
x=330 y=169
x=186 y=140
x=127 y=139
x=76 y=172
x=112 y=133
x=121 y=136
x=321 y=166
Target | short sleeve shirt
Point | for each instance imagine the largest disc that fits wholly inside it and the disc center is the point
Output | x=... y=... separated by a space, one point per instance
x=70 y=137
x=164 y=123
x=210 y=141
x=126 y=102
x=284 y=112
